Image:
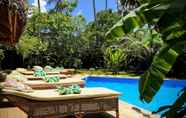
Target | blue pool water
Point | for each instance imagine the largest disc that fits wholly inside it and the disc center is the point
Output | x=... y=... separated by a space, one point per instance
x=129 y=89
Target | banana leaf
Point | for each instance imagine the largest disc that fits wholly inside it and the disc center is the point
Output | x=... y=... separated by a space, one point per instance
x=177 y=110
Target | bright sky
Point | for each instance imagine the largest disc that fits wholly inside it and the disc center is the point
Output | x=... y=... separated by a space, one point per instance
x=84 y=7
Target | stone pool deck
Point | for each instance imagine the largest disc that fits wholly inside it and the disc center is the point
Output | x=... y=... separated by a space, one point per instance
x=127 y=110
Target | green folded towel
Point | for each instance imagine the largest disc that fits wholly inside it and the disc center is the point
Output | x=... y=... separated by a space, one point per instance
x=52 y=79
x=73 y=89
x=40 y=73
x=61 y=90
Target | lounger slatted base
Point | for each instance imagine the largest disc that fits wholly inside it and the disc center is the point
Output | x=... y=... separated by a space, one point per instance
x=45 y=109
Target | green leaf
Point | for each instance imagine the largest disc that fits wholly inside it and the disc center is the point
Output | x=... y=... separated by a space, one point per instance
x=161 y=65
x=145 y=14
x=162 y=109
x=177 y=109
x=174 y=110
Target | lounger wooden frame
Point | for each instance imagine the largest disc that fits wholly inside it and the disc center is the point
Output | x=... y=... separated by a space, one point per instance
x=43 y=109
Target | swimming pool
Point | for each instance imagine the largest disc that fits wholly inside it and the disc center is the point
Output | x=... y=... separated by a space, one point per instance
x=129 y=89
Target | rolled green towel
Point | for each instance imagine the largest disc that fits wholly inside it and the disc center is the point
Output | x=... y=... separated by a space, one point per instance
x=64 y=91
x=40 y=73
x=52 y=79
x=61 y=90
x=69 y=91
x=73 y=89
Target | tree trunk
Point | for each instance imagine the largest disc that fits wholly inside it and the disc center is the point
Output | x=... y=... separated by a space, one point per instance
x=94 y=7
x=39 y=6
x=106 y=4
x=12 y=21
x=117 y=2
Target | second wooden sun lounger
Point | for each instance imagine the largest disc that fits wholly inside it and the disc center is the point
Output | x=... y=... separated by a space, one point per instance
x=40 y=84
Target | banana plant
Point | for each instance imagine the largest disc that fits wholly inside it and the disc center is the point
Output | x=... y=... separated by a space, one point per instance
x=178 y=109
x=114 y=58
x=168 y=17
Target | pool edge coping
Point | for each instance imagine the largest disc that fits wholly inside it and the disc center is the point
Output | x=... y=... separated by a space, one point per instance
x=124 y=77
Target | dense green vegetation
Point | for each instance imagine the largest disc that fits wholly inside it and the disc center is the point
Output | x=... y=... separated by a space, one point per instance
x=60 y=39
x=64 y=40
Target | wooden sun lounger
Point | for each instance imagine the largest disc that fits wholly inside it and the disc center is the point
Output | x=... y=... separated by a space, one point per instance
x=64 y=71
x=67 y=71
x=40 y=84
x=32 y=77
x=47 y=103
x=29 y=72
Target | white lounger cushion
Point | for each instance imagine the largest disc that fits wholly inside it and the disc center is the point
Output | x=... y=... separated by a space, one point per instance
x=52 y=95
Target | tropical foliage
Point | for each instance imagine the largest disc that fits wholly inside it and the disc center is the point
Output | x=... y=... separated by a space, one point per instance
x=61 y=32
x=169 y=19
x=64 y=40
x=178 y=71
x=95 y=41
x=139 y=47
x=114 y=58
x=1 y=55
x=127 y=5
x=177 y=110
x=63 y=6
x=26 y=50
